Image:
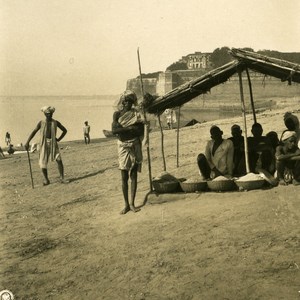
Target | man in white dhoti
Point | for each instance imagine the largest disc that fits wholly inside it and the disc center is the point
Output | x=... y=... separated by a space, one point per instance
x=48 y=143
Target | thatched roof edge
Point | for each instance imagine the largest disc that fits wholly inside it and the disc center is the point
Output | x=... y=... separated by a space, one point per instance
x=284 y=70
x=187 y=91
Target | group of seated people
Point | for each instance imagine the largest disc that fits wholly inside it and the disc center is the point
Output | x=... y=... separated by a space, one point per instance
x=267 y=154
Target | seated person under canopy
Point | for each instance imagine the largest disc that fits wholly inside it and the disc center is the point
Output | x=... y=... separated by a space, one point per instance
x=288 y=159
x=261 y=152
x=218 y=157
x=239 y=168
x=291 y=122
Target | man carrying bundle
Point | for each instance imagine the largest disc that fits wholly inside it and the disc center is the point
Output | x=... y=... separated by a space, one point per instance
x=48 y=143
x=129 y=127
x=288 y=159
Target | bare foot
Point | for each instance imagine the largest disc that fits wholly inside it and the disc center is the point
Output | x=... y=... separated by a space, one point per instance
x=125 y=210
x=46 y=182
x=64 y=181
x=134 y=209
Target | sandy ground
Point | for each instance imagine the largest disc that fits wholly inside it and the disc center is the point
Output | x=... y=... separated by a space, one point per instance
x=68 y=241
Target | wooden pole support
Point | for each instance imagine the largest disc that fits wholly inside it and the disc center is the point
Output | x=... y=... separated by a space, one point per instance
x=245 y=123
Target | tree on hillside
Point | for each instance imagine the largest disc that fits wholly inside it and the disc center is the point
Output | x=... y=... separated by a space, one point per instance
x=220 y=57
x=289 y=56
x=177 y=66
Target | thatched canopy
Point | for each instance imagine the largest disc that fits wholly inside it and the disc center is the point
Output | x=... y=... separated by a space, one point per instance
x=284 y=70
x=188 y=91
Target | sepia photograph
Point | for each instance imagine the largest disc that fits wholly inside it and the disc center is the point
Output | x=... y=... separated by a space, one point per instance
x=149 y=150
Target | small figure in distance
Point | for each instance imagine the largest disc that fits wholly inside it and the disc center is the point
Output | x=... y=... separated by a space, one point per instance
x=49 y=143
x=86 y=132
x=218 y=157
x=7 y=138
x=10 y=149
x=170 y=117
x=128 y=125
x=288 y=159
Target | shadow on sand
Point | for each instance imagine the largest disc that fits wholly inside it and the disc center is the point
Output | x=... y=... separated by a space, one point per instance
x=91 y=174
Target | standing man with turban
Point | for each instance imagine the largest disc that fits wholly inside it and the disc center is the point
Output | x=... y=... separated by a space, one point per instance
x=48 y=143
x=288 y=159
x=129 y=127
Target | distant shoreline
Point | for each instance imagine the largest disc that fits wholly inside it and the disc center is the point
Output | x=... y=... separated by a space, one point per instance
x=55 y=96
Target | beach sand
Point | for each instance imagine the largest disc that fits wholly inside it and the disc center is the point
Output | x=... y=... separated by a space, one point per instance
x=68 y=241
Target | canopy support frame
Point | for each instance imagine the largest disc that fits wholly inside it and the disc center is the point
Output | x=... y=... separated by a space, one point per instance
x=245 y=122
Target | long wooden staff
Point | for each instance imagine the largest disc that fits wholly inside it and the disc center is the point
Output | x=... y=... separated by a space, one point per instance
x=30 y=169
x=147 y=129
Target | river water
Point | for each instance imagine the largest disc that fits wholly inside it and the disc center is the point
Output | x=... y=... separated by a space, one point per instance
x=19 y=115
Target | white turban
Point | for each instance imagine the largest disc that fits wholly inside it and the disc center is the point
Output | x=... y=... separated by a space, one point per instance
x=288 y=134
x=48 y=109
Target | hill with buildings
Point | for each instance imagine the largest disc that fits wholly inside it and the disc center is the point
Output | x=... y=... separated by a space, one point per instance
x=268 y=92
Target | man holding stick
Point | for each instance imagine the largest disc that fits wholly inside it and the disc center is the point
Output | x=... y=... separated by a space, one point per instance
x=48 y=143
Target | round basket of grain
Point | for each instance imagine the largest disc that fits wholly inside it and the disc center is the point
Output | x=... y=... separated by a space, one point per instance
x=193 y=185
x=221 y=184
x=250 y=181
x=165 y=186
x=165 y=183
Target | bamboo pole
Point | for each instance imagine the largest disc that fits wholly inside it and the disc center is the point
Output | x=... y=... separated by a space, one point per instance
x=146 y=125
x=30 y=170
x=178 y=125
x=245 y=123
x=162 y=142
x=251 y=96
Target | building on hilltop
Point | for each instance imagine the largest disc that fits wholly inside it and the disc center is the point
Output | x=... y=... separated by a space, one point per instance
x=161 y=83
x=198 y=60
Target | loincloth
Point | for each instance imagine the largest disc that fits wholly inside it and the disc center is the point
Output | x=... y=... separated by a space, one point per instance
x=130 y=154
x=45 y=152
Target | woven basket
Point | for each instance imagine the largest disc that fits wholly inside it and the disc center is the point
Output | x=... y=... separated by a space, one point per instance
x=191 y=187
x=221 y=185
x=250 y=185
x=165 y=187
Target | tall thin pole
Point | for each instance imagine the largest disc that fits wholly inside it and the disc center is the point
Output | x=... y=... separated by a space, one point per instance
x=178 y=125
x=30 y=169
x=245 y=123
x=251 y=96
x=162 y=142
x=146 y=125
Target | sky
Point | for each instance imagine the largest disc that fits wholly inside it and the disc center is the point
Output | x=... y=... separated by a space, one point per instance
x=88 y=47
